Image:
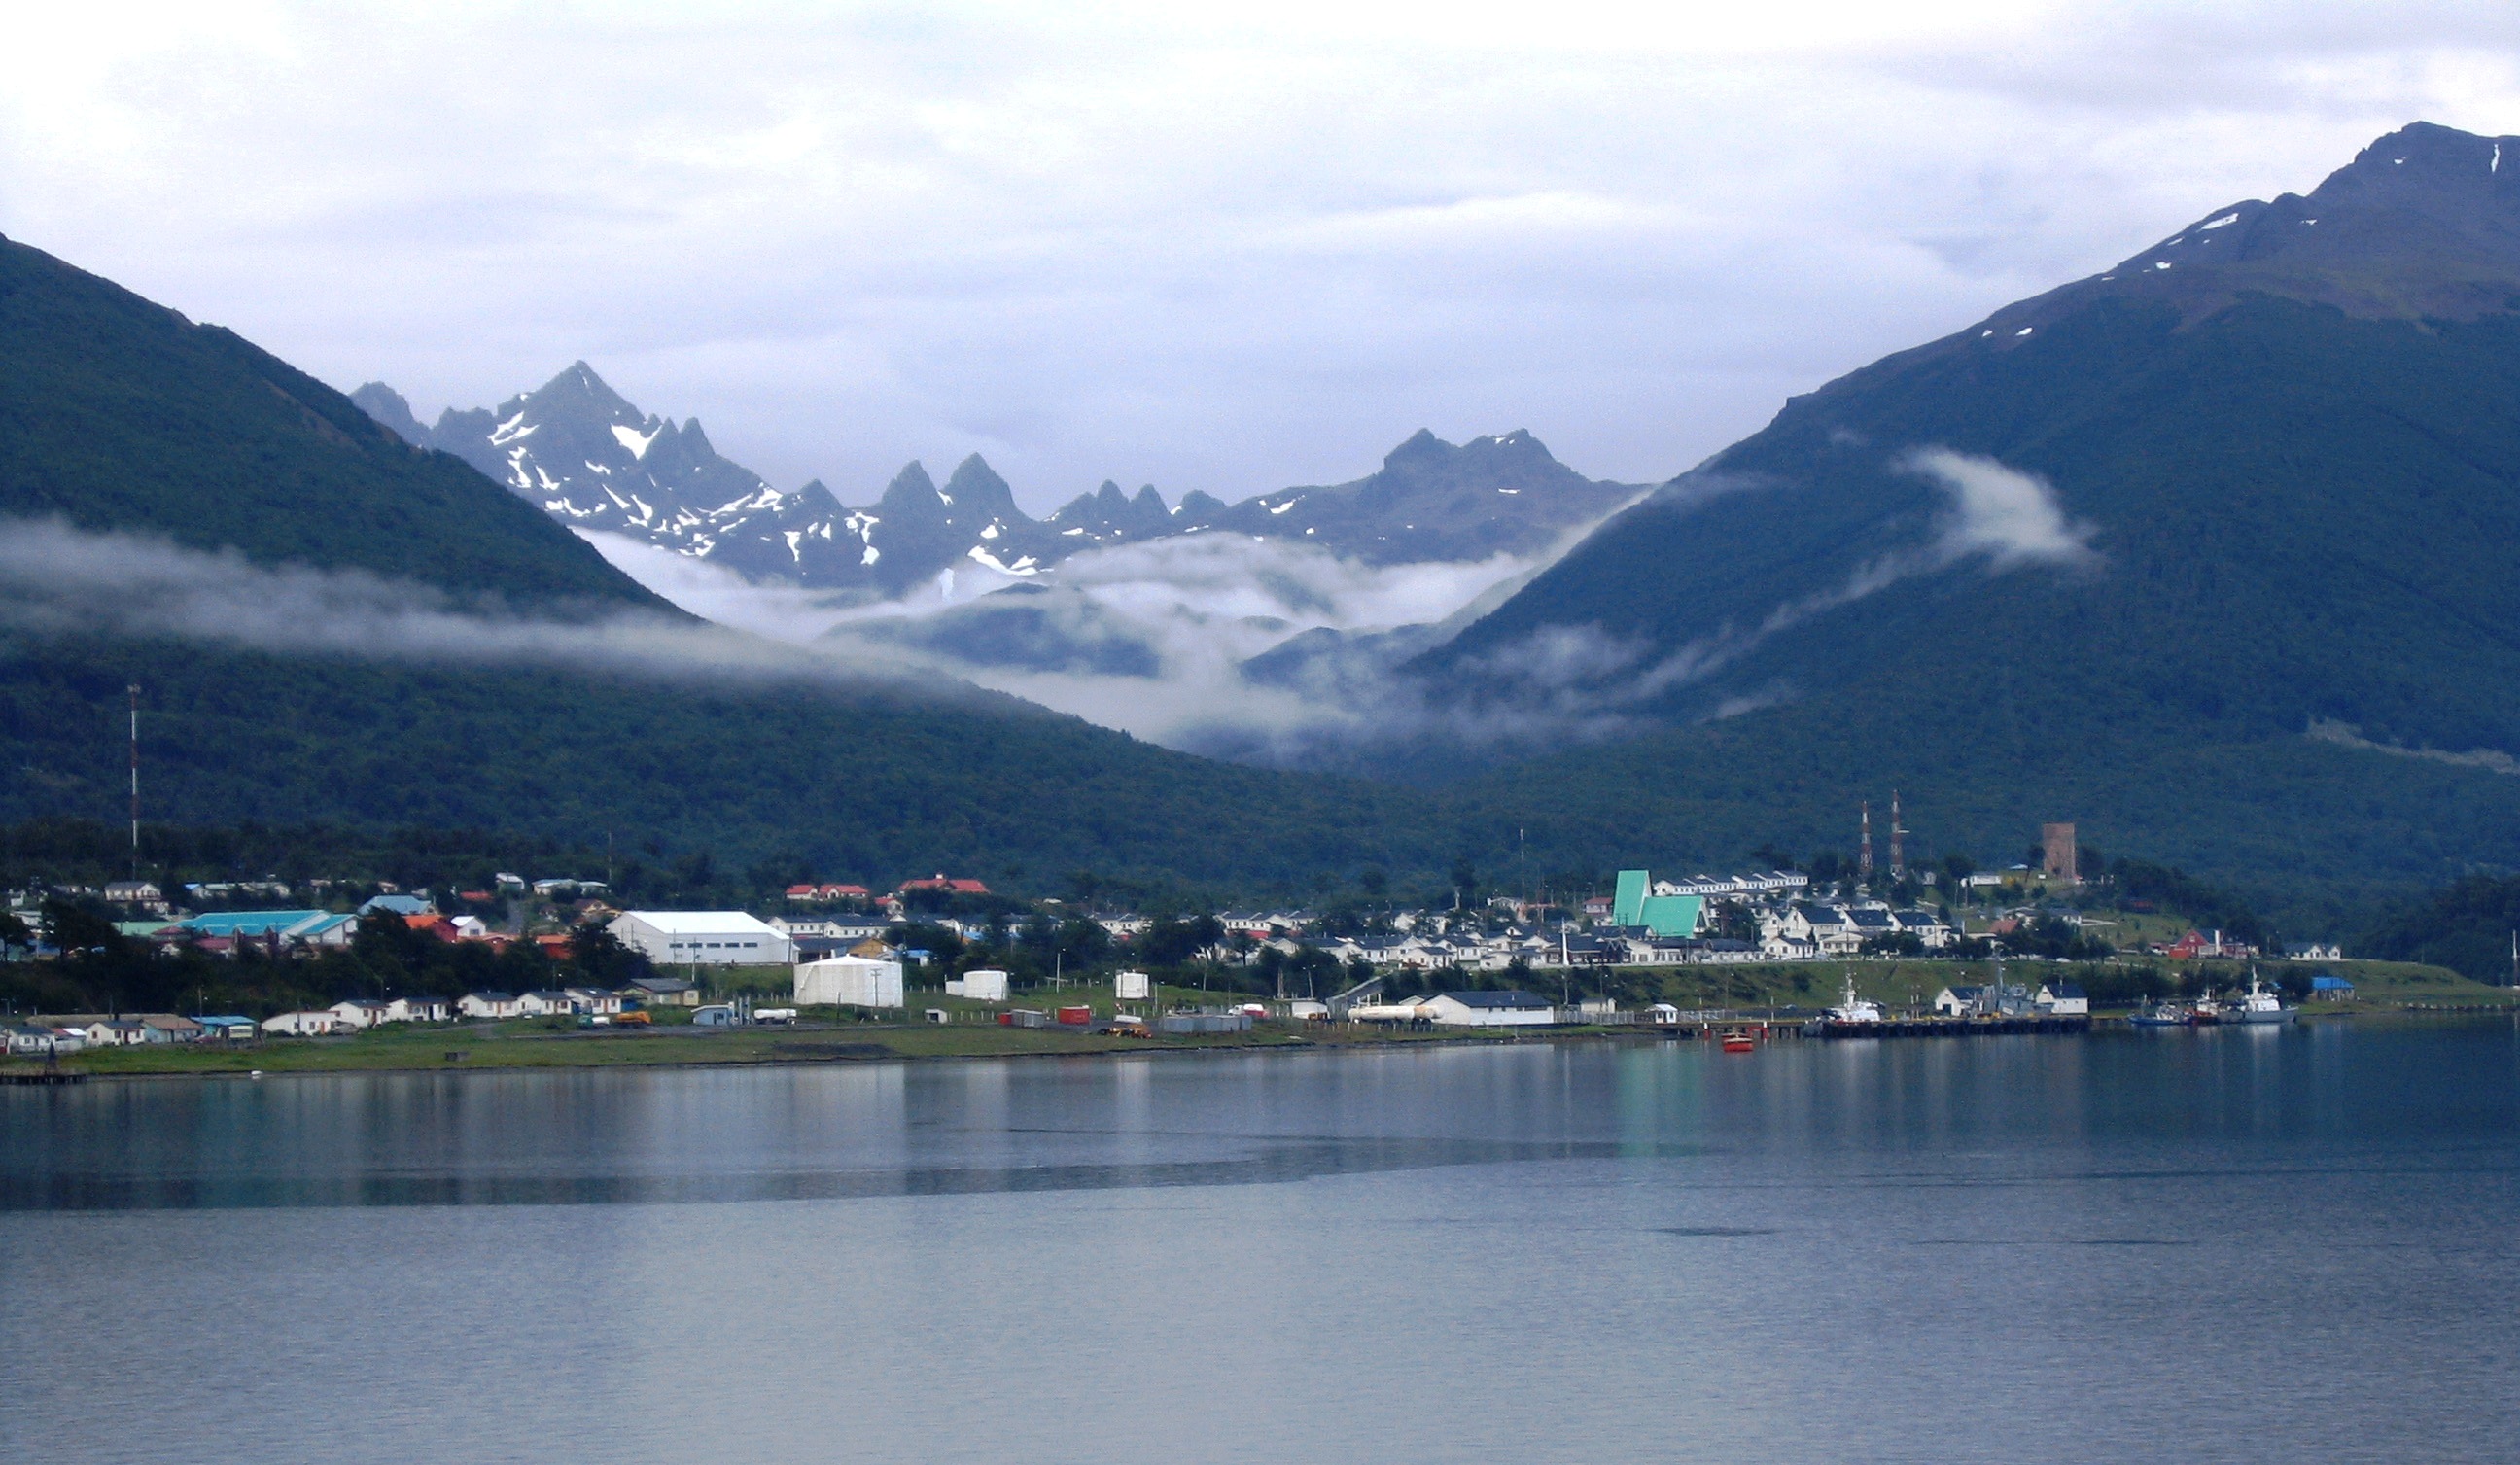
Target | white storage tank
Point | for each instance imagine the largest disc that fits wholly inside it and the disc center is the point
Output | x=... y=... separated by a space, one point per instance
x=983 y=985
x=848 y=982
x=1130 y=987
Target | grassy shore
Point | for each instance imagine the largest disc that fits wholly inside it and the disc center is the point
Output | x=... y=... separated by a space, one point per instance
x=829 y=1035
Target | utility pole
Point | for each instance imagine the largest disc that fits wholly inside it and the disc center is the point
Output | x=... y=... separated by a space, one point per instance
x=1864 y=858
x=134 y=689
x=1897 y=856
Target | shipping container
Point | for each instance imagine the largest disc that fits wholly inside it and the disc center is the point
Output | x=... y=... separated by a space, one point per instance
x=1075 y=1017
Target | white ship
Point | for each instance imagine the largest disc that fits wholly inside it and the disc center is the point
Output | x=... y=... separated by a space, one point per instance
x=2257 y=1006
x=1855 y=1008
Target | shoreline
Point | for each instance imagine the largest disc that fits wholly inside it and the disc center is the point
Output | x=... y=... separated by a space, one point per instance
x=431 y=1053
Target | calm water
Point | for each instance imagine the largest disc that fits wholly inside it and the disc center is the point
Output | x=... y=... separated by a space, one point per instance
x=2289 y=1245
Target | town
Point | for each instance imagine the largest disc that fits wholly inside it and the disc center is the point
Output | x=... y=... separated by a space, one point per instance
x=1645 y=947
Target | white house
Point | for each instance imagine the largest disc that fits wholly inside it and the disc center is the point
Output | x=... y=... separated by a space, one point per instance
x=545 y=1005
x=118 y=1032
x=2063 y=999
x=31 y=1041
x=1487 y=1010
x=488 y=1004
x=418 y=1009
x=839 y=927
x=363 y=1012
x=982 y=986
x=302 y=1024
x=849 y=982
x=704 y=938
x=594 y=999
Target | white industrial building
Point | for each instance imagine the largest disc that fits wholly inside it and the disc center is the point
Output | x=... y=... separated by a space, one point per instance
x=848 y=982
x=702 y=938
x=1487 y=1010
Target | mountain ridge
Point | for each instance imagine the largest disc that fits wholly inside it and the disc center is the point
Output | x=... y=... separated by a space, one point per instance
x=594 y=461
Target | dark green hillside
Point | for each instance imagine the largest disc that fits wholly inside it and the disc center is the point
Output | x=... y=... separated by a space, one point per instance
x=2304 y=526
x=2302 y=521
x=865 y=786
x=119 y=414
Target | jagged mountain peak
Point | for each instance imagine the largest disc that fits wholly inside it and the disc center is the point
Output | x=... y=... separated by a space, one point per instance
x=393 y=410
x=1420 y=446
x=911 y=485
x=596 y=461
x=575 y=394
x=976 y=488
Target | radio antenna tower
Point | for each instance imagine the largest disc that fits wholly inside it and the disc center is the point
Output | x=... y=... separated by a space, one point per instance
x=134 y=689
x=1864 y=861
x=1897 y=856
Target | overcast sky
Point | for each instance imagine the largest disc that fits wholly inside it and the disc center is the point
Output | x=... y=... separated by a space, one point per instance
x=1164 y=242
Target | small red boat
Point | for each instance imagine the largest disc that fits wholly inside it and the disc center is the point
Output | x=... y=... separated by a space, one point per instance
x=1739 y=1042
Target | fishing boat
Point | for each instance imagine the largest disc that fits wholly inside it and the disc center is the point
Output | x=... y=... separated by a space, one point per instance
x=2162 y=1015
x=1739 y=1042
x=2258 y=1006
x=2205 y=1011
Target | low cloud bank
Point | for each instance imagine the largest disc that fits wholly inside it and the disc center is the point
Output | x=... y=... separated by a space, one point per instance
x=1591 y=679
x=57 y=579
x=1266 y=650
x=1182 y=614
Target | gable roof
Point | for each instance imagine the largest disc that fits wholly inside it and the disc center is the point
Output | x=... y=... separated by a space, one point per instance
x=1507 y=1002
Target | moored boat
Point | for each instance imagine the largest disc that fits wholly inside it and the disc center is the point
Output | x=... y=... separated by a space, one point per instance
x=1855 y=1009
x=2258 y=1006
x=2162 y=1015
x=1739 y=1042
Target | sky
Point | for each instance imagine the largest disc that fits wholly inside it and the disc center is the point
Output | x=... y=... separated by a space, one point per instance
x=1226 y=247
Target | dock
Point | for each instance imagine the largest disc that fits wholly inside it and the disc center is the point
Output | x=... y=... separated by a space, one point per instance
x=1947 y=1027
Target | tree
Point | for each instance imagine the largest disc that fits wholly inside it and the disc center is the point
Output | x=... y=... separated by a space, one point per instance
x=78 y=930
x=606 y=958
x=1175 y=942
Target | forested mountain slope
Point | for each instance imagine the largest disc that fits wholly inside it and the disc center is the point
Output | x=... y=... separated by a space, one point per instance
x=2212 y=553
x=118 y=415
